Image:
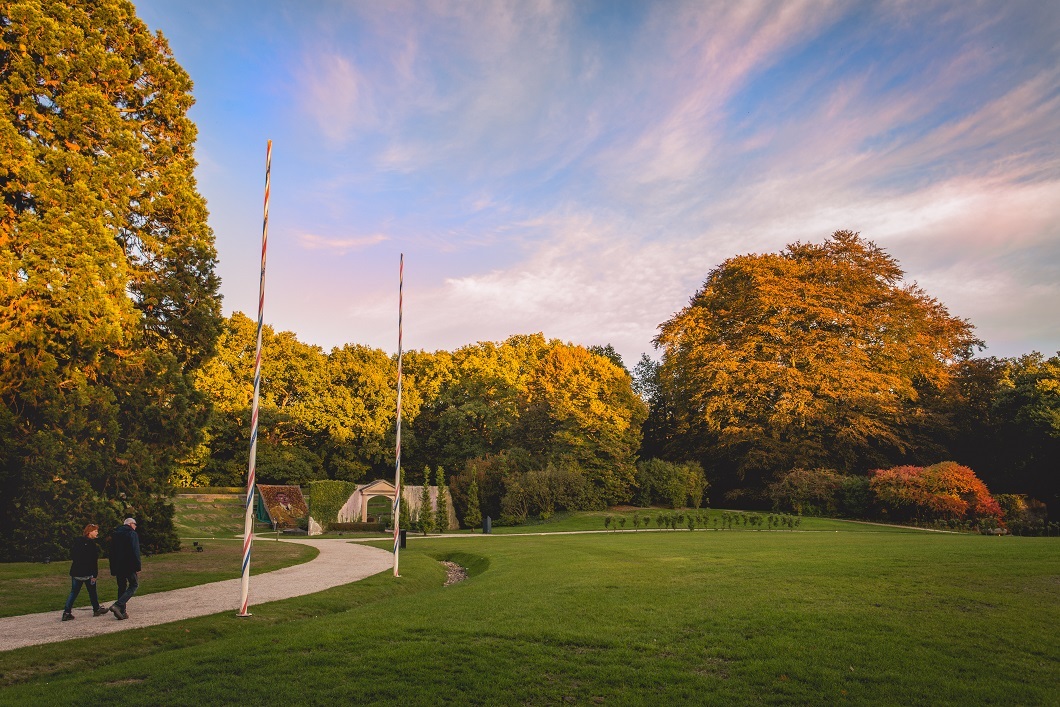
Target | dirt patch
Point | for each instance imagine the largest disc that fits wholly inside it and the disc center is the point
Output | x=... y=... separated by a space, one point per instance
x=453 y=573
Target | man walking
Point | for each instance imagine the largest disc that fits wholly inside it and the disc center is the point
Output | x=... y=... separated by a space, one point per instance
x=124 y=564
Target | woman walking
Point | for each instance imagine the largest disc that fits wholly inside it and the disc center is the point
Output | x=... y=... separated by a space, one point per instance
x=83 y=571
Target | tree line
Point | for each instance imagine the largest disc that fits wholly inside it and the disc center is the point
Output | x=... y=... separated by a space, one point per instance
x=120 y=379
x=512 y=414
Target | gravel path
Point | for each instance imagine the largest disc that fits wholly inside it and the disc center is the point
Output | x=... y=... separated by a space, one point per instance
x=339 y=562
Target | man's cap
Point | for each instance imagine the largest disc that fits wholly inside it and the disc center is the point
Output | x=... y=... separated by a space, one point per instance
x=130 y=521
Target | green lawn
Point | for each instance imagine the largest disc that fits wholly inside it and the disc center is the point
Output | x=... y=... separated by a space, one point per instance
x=620 y=618
x=218 y=516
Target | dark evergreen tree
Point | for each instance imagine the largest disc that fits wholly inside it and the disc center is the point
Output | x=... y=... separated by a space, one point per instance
x=1027 y=408
x=473 y=514
x=425 y=516
x=657 y=427
x=441 y=515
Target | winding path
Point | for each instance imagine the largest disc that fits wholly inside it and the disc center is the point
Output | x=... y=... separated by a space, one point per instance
x=339 y=562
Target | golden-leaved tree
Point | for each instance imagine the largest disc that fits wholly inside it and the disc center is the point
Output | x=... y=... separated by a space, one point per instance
x=821 y=355
x=108 y=301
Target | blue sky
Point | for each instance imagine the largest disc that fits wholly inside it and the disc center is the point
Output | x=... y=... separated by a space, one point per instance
x=578 y=168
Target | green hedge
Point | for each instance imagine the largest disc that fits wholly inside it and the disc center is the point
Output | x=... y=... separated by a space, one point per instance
x=326 y=498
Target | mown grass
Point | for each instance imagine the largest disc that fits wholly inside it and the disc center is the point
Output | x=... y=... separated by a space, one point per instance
x=622 y=618
x=211 y=516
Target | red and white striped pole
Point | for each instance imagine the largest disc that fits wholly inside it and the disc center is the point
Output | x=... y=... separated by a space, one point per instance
x=397 y=442
x=248 y=520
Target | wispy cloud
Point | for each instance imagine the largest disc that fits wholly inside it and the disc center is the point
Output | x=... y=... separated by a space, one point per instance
x=339 y=246
x=336 y=95
x=707 y=54
x=578 y=168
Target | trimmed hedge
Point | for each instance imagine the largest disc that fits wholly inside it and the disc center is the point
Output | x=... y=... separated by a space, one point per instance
x=326 y=499
x=365 y=527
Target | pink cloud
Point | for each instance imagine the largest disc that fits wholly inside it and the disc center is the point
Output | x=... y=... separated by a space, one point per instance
x=340 y=246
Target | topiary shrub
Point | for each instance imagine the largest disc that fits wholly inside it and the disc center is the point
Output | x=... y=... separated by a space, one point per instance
x=425 y=514
x=473 y=514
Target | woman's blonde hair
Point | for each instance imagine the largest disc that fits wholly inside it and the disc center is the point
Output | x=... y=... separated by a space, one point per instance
x=89 y=528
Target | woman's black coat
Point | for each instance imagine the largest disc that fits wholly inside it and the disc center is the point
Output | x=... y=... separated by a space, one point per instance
x=85 y=555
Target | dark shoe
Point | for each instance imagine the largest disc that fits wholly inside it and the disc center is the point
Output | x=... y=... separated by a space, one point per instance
x=99 y=611
x=67 y=616
x=118 y=613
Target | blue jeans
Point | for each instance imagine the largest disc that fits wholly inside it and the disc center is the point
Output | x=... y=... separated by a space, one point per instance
x=127 y=586
x=75 y=589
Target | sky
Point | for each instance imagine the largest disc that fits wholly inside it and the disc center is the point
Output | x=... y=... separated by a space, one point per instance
x=579 y=168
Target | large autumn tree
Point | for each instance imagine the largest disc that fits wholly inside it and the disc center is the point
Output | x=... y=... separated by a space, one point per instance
x=108 y=301
x=821 y=355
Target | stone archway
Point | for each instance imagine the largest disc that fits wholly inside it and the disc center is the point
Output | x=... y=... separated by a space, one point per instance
x=366 y=501
x=356 y=508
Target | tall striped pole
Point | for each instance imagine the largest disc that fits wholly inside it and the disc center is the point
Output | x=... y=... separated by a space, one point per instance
x=397 y=443
x=248 y=520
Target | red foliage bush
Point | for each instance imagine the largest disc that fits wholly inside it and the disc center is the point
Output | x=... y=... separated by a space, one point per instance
x=946 y=490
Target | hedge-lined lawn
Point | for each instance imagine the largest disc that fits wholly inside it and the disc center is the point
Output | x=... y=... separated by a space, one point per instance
x=222 y=517
x=31 y=587
x=648 y=618
x=594 y=520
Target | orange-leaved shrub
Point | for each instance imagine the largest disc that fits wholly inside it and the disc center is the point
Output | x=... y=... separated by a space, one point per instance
x=947 y=490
